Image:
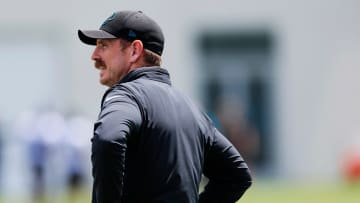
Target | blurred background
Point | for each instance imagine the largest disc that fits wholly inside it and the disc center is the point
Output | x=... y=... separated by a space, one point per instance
x=278 y=78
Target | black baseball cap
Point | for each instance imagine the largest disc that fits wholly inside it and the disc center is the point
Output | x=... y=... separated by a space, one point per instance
x=128 y=25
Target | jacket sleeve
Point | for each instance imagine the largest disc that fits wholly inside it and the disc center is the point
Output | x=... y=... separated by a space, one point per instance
x=119 y=119
x=228 y=174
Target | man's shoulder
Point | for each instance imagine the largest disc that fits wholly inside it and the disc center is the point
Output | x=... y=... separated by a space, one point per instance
x=120 y=92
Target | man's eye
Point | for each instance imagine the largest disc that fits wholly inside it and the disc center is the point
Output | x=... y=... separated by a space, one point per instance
x=102 y=45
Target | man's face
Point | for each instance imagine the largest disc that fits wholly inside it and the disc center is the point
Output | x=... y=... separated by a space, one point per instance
x=112 y=59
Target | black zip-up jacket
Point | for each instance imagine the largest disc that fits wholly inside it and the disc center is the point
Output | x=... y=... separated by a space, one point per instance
x=151 y=144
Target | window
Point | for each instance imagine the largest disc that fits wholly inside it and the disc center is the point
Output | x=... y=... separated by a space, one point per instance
x=236 y=88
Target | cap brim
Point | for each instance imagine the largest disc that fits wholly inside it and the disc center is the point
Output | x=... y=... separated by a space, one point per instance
x=90 y=36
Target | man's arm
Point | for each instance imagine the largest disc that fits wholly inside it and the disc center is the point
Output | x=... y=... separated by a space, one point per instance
x=119 y=119
x=228 y=174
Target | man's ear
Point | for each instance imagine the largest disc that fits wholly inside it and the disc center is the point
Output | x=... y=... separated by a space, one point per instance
x=137 y=48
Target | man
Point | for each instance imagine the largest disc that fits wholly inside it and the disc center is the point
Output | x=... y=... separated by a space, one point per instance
x=151 y=144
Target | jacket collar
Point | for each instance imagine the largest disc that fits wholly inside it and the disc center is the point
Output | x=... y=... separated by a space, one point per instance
x=152 y=73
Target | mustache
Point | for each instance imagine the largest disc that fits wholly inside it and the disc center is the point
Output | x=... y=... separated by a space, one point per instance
x=99 y=63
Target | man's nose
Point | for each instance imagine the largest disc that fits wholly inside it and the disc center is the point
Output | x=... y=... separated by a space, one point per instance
x=95 y=55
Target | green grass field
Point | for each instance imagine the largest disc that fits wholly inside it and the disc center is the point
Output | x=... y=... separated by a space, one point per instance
x=310 y=193
x=258 y=193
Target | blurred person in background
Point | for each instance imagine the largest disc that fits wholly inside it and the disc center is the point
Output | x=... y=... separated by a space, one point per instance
x=37 y=156
x=1 y=152
x=27 y=128
x=43 y=132
x=351 y=159
x=78 y=149
x=238 y=129
x=151 y=144
x=53 y=129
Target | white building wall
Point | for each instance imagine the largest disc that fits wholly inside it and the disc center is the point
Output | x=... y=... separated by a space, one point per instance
x=316 y=62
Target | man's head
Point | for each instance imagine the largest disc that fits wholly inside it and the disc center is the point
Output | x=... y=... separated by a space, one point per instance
x=125 y=41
